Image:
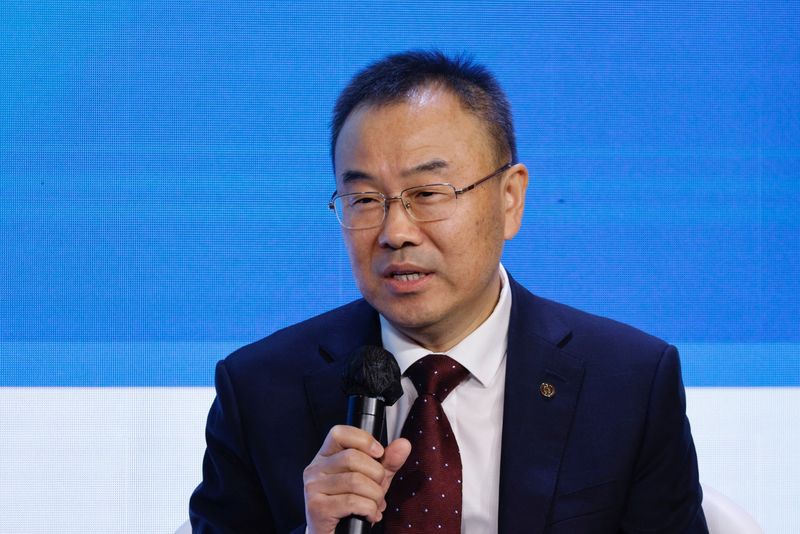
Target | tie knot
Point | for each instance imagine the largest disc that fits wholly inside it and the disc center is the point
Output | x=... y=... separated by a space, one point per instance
x=437 y=375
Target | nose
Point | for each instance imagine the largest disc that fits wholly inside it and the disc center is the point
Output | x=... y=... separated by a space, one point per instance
x=399 y=229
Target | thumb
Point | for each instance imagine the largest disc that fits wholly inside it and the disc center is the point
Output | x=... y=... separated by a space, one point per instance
x=395 y=455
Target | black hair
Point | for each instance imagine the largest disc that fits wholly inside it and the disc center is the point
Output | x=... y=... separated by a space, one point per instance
x=394 y=78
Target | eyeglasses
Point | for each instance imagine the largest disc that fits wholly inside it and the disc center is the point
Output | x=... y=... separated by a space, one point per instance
x=424 y=203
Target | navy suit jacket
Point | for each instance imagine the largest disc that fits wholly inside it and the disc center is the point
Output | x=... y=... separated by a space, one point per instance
x=609 y=451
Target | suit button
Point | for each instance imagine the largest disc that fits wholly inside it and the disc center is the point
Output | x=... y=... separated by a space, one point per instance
x=547 y=390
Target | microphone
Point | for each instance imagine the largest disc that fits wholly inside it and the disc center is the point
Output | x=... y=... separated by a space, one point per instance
x=371 y=382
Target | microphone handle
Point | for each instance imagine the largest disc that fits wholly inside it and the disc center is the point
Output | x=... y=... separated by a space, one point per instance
x=366 y=413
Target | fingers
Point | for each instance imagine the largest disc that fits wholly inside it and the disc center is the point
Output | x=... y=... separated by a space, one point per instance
x=334 y=498
x=350 y=461
x=343 y=437
x=347 y=476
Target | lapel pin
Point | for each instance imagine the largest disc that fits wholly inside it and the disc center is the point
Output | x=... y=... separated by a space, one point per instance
x=547 y=390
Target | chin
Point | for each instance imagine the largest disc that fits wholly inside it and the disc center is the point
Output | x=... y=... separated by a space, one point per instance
x=410 y=318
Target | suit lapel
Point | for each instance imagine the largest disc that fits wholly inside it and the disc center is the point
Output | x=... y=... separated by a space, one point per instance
x=535 y=426
x=325 y=397
x=323 y=385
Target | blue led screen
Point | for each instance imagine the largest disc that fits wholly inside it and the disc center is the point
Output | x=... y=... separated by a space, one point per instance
x=164 y=174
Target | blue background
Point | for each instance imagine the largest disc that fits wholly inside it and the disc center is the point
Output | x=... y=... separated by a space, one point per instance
x=164 y=174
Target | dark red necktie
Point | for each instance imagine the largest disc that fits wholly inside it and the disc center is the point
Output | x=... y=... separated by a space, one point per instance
x=425 y=495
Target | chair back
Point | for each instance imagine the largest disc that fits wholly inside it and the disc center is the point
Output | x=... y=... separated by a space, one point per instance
x=724 y=516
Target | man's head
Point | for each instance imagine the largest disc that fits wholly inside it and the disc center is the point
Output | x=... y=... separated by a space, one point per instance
x=436 y=280
x=396 y=77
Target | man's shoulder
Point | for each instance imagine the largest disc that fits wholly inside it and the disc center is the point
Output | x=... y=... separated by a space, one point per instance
x=302 y=346
x=586 y=335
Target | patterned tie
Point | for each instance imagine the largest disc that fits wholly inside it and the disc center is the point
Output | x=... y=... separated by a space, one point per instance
x=425 y=495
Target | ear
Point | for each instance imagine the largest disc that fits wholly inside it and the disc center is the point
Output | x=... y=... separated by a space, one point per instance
x=515 y=183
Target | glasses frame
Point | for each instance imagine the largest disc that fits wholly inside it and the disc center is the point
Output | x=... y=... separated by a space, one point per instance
x=407 y=205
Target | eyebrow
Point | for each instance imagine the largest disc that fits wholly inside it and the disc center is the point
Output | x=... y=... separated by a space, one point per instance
x=429 y=166
x=354 y=176
x=433 y=165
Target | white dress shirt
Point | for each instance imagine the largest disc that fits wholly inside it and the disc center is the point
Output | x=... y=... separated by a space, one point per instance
x=474 y=408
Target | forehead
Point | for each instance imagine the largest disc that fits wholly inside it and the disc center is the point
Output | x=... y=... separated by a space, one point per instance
x=430 y=123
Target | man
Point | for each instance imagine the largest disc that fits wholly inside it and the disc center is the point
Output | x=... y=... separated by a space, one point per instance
x=564 y=422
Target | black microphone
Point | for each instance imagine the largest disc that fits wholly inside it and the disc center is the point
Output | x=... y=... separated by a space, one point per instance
x=371 y=382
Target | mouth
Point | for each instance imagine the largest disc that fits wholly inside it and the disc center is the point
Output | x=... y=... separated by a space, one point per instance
x=407 y=276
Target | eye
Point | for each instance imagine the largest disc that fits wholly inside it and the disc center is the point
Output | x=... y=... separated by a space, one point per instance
x=430 y=195
x=361 y=201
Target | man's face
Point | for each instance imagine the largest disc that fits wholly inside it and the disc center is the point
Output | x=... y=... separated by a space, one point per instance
x=434 y=281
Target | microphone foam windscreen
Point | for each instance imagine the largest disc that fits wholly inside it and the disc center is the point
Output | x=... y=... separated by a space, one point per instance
x=373 y=372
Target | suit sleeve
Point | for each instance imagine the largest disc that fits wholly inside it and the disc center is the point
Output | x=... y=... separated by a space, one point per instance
x=230 y=497
x=665 y=495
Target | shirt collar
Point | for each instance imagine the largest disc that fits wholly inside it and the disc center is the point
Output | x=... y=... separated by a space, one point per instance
x=481 y=352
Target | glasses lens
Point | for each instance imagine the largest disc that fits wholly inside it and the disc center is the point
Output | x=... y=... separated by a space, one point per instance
x=430 y=202
x=359 y=210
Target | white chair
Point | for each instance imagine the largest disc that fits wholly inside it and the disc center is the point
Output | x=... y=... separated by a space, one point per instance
x=725 y=516
x=722 y=515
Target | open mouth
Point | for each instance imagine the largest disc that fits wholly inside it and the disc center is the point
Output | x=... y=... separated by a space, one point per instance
x=407 y=277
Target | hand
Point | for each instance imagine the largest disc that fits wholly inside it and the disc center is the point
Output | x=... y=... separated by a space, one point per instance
x=350 y=475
